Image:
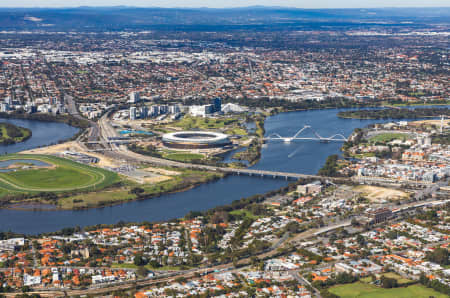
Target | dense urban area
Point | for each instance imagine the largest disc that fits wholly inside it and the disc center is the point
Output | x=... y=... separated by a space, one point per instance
x=162 y=111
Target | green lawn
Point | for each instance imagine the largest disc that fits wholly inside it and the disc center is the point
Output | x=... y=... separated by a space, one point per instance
x=97 y=198
x=387 y=137
x=51 y=178
x=89 y=183
x=189 y=122
x=183 y=157
x=63 y=175
x=21 y=132
x=236 y=131
x=362 y=155
x=244 y=213
x=400 y=279
x=363 y=290
x=121 y=194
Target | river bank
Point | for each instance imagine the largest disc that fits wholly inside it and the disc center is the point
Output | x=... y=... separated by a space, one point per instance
x=11 y=134
x=405 y=113
x=43 y=133
x=297 y=156
x=42 y=205
x=120 y=192
x=45 y=117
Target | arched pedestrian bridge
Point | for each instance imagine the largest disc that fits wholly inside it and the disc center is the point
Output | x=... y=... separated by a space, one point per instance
x=317 y=137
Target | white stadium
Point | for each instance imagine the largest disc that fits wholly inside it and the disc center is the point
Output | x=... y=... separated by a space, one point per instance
x=195 y=139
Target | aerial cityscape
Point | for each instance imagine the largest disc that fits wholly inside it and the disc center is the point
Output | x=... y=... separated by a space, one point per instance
x=254 y=151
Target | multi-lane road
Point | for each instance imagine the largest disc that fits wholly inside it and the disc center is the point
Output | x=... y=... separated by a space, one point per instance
x=121 y=152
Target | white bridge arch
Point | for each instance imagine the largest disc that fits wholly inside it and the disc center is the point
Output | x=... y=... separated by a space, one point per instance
x=336 y=137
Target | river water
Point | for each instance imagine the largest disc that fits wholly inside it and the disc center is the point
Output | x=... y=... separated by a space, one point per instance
x=44 y=134
x=297 y=156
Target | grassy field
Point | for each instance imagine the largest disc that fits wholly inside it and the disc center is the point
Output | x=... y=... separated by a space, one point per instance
x=83 y=186
x=387 y=137
x=188 y=177
x=10 y=133
x=62 y=175
x=236 y=131
x=189 y=122
x=183 y=157
x=184 y=178
x=401 y=280
x=363 y=155
x=243 y=213
x=364 y=290
x=97 y=198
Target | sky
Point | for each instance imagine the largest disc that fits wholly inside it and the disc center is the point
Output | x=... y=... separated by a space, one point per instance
x=229 y=3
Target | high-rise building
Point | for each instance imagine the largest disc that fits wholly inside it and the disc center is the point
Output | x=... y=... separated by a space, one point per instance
x=201 y=111
x=133 y=113
x=4 y=107
x=154 y=111
x=144 y=112
x=174 y=109
x=217 y=104
x=163 y=109
x=8 y=100
x=135 y=97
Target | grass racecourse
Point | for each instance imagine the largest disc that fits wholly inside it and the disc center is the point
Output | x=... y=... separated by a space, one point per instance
x=60 y=176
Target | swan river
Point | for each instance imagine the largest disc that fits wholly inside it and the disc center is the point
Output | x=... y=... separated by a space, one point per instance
x=297 y=156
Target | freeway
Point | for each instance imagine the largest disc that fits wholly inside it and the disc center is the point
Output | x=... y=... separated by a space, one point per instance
x=121 y=152
x=93 y=133
x=70 y=103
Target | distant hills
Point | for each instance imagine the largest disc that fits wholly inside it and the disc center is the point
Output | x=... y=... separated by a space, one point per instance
x=264 y=18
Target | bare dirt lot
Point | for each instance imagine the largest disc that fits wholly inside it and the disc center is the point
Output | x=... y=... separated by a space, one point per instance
x=157 y=179
x=375 y=193
x=74 y=146
x=161 y=171
x=430 y=122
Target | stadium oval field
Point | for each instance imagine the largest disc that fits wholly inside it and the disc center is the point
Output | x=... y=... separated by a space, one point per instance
x=195 y=139
x=59 y=175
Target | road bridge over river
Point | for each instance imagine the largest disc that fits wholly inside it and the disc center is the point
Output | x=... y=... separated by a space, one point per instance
x=121 y=152
x=270 y=174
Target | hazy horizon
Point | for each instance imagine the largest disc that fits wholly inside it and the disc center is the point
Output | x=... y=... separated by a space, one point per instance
x=319 y=4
